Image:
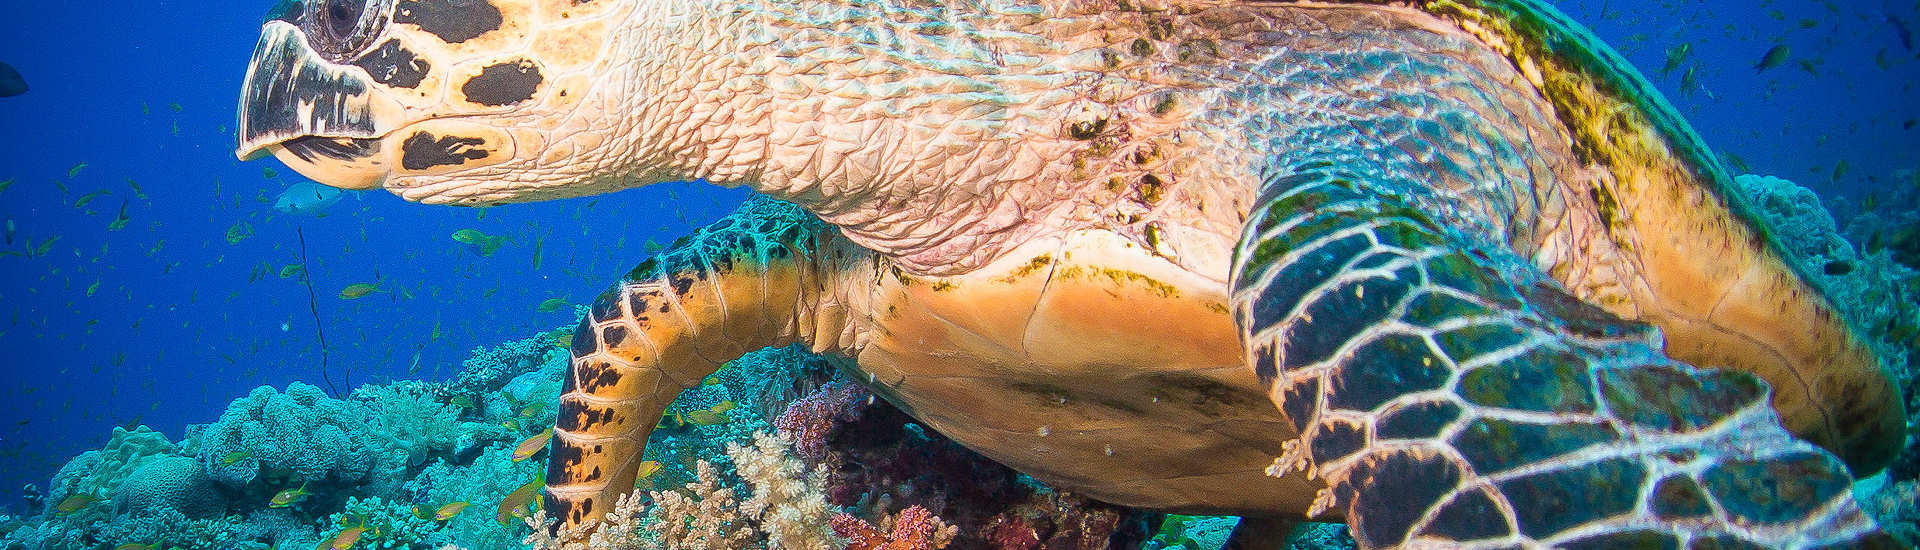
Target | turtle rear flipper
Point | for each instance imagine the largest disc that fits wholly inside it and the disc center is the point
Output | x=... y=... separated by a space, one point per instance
x=731 y=288
x=1447 y=393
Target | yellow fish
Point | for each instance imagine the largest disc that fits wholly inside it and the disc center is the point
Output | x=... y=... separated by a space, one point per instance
x=648 y=468
x=233 y=457
x=422 y=512
x=706 y=417
x=552 y=304
x=532 y=445
x=516 y=502
x=480 y=243
x=461 y=401
x=450 y=510
x=357 y=290
x=347 y=538
x=723 y=406
x=289 y=497
x=529 y=411
x=75 y=503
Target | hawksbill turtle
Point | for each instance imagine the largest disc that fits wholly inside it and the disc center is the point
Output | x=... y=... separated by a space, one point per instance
x=1450 y=270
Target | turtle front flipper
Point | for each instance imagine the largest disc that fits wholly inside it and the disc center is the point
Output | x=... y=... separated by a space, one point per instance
x=733 y=287
x=1448 y=393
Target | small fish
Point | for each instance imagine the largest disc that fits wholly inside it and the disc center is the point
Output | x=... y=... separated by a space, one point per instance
x=480 y=243
x=268 y=172
x=134 y=546
x=711 y=381
x=4 y=184
x=292 y=270
x=462 y=401
x=357 y=290
x=75 y=503
x=289 y=497
x=1690 y=81
x=235 y=456
x=1773 y=58
x=648 y=468
x=239 y=231
x=704 y=417
x=175 y=106
x=510 y=424
x=75 y=170
x=347 y=538
x=1840 y=169
x=307 y=198
x=450 y=510
x=120 y=221
x=88 y=198
x=532 y=445
x=422 y=512
x=529 y=410
x=515 y=504
x=537 y=245
x=1675 y=56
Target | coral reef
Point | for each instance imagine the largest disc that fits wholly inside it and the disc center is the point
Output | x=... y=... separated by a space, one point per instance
x=794 y=457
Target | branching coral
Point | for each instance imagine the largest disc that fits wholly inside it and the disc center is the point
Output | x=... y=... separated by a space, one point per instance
x=790 y=501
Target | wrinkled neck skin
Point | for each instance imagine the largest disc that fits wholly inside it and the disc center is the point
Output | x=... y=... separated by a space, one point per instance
x=939 y=135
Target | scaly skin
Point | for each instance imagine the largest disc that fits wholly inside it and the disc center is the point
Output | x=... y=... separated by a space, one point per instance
x=1483 y=151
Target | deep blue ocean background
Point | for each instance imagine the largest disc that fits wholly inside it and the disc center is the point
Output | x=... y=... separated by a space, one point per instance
x=166 y=319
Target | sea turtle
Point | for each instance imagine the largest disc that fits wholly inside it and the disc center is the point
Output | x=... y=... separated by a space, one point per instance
x=1448 y=269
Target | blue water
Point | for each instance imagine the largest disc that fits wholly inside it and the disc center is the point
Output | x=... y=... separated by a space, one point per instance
x=157 y=323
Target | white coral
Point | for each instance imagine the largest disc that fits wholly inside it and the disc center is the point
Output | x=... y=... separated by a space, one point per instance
x=788 y=503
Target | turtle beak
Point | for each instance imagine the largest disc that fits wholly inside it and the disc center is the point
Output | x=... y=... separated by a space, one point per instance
x=324 y=120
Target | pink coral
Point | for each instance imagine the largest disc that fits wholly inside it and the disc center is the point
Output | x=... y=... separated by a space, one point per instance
x=914 y=529
x=812 y=420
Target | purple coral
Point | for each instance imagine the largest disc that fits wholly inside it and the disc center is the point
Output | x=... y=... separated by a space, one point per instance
x=812 y=420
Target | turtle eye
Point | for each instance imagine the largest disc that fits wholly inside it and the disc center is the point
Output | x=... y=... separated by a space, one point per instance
x=343 y=16
x=340 y=28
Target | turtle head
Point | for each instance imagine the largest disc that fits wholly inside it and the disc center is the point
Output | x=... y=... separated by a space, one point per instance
x=423 y=97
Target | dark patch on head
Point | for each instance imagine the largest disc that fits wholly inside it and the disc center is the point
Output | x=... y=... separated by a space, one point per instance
x=454 y=21
x=394 y=65
x=503 y=83
x=422 y=151
x=312 y=148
